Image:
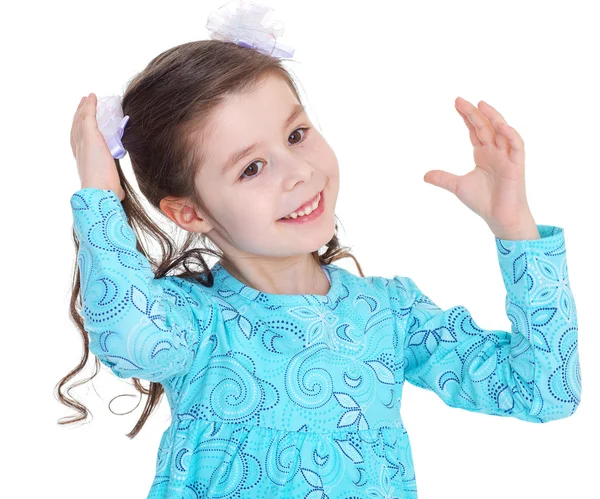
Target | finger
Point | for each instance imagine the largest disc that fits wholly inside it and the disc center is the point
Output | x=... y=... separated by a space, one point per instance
x=80 y=103
x=492 y=110
x=75 y=125
x=89 y=113
x=517 y=146
x=496 y=120
x=485 y=131
x=78 y=114
x=472 y=132
x=90 y=104
x=443 y=179
x=77 y=111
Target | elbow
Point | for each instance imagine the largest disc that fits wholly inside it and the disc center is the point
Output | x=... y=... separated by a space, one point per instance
x=553 y=413
x=563 y=404
x=155 y=369
x=139 y=348
x=564 y=411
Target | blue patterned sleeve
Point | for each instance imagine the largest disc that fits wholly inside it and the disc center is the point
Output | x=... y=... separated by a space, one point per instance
x=139 y=326
x=533 y=372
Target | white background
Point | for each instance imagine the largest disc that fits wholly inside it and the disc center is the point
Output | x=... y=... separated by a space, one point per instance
x=381 y=78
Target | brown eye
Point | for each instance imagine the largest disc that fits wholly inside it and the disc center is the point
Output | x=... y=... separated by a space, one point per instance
x=251 y=169
x=298 y=135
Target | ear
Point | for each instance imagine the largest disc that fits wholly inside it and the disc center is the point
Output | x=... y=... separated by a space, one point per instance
x=184 y=214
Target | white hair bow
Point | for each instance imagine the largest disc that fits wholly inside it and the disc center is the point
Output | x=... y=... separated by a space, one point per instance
x=243 y=23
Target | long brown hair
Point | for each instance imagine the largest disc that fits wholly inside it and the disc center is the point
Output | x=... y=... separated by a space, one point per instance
x=169 y=103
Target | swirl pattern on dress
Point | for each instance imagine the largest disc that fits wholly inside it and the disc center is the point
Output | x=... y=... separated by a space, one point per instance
x=299 y=395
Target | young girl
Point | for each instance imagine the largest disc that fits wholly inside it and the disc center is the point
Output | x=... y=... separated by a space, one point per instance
x=283 y=371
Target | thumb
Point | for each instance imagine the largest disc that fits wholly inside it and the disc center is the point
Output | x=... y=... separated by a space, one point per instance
x=445 y=180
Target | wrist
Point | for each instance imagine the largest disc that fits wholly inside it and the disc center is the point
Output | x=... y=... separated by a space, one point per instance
x=100 y=183
x=525 y=230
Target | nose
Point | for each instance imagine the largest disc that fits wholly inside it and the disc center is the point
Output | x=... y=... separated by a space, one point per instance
x=294 y=170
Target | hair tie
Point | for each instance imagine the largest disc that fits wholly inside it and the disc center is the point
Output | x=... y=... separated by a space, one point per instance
x=111 y=123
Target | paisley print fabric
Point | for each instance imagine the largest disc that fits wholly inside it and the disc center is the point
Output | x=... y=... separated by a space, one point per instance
x=298 y=396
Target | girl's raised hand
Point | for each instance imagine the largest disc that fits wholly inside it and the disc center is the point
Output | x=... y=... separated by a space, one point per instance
x=495 y=189
x=95 y=164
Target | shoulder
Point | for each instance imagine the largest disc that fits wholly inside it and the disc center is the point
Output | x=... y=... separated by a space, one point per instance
x=189 y=290
x=396 y=286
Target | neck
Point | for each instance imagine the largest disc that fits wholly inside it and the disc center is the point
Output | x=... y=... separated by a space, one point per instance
x=290 y=276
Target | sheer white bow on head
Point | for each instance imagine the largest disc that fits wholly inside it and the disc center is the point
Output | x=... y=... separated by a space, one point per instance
x=244 y=23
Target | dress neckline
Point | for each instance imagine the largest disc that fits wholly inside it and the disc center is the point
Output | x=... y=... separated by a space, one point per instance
x=332 y=272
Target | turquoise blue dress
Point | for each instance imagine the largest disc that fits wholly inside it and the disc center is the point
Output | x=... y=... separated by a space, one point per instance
x=298 y=396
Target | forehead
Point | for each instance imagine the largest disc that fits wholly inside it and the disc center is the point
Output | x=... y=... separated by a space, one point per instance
x=267 y=102
x=245 y=118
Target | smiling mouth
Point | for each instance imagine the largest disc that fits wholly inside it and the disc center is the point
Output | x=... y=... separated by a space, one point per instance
x=313 y=215
x=307 y=208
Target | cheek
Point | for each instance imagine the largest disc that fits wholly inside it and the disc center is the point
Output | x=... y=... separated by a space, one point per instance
x=249 y=214
x=325 y=157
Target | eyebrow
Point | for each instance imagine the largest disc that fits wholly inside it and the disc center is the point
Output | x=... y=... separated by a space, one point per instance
x=236 y=156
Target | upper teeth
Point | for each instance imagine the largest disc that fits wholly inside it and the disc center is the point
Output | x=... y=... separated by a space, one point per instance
x=306 y=211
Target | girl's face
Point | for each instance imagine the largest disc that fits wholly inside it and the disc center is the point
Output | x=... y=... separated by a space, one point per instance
x=289 y=166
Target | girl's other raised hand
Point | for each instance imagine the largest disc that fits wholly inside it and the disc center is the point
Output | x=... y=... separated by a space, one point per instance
x=95 y=164
x=495 y=188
